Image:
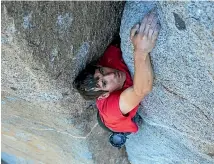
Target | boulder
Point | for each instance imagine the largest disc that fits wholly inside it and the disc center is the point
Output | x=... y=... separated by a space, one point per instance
x=178 y=114
x=44 y=45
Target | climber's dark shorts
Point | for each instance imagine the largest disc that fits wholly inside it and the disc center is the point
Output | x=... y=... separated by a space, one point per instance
x=102 y=125
x=118 y=139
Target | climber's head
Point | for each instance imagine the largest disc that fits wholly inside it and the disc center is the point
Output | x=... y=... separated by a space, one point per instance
x=98 y=82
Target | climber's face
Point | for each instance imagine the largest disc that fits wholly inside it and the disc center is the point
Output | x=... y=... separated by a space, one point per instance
x=109 y=79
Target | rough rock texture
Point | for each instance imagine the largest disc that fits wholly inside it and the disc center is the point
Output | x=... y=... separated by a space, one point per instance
x=44 y=45
x=179 y=112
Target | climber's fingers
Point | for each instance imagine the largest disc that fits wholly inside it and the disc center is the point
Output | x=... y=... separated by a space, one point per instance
x=148 y=24
x=152 y=27
x=143 y=24
x=156 y=32
x=134 y=30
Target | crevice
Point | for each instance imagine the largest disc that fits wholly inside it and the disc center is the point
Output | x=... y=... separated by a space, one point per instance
x=177 y=131
x=173 y=92
x=211 y=75
x=178 y=95
x=54 y=129
x=64 y=132
x=201 y=111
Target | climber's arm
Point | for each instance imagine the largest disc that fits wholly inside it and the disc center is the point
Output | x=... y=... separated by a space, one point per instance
x=143 y=37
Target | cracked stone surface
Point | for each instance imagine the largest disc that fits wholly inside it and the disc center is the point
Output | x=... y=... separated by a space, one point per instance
x=44 y=45
x=178 y=113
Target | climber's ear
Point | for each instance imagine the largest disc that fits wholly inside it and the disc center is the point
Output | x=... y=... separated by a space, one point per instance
x=104 y=96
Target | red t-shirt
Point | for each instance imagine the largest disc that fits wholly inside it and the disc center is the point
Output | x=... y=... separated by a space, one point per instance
x=109 y=109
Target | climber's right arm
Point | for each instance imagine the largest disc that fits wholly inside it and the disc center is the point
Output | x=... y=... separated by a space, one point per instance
x=143 y=37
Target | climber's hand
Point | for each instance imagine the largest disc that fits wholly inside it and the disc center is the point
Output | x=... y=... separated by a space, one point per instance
x=144 y=34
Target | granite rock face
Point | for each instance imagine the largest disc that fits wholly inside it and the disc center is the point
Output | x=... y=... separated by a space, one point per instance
x=44 y=45
x=179 y=112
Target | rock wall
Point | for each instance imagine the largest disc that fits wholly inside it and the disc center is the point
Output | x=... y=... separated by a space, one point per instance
x=179 y=112
x=44 y=45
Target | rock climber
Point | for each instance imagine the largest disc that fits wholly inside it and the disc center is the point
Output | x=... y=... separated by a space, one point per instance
x=109 y=81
